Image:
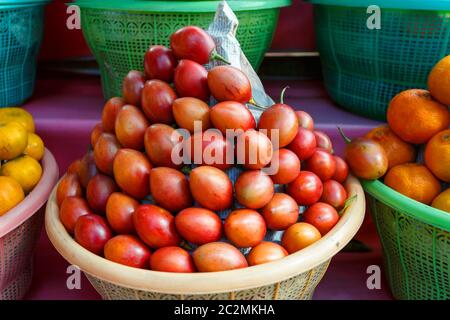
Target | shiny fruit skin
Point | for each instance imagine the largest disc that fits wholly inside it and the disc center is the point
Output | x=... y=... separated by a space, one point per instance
x=245 y=228
x=127 y=250
x=92 y=233
x=265 y=252
x=299 y=236
x=160 y=140
x=279 y=117
x=334 y=194
x=322 y=216
x=109 y=113
x=105 y=151
x=18 y=115
x=304 y=144
x=190 y=80
x=69 y=186
x=172 y=259
x=366 y=158
x=199 y=225
x=98 y=191
x=157 y=100
x=13 y=140
x=323 y=141
x=232 y=115
x=305 y=120
x=192 y=43
x=11 y=194
x=281 y=212
x=170 y=189
x=155 y=226
x=25 y=170
x=341 y=173
x=254 y=150
x=35 y=147
x=211 y=188
x=306 y=189
x=187 y=110
x=437 y=155
x=218 y=256
x=288 y=166
x=227 y=83
x=95 y=133
x=119 y=212
x=159 y=63
x=71 y=209
x=254 y=189
x=130 y=127
x=322 y=164
x=214 y=149
x=132 y=87
x=132 y=172
x=74 y=167
x=87 y=169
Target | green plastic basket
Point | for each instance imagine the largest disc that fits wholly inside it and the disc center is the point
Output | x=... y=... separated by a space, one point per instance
x=416 y=243
x=21 y=28
x=364 y=69
x=119 y=32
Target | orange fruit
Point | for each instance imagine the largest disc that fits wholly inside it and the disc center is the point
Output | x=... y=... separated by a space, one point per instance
x=25 y=170
x=442 y=201
x=35 y=147
x=437 y=155
x=397 y=150
x=13 y=140
x=10 y=194
x=439 y=81
x=415 y=117
x=414 y=181
x=18 y=115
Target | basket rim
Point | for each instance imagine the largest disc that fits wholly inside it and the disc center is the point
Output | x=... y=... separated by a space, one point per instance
x=179 y=5
x=213 y=282
x=35 y=199
x=439 y=5
x=417 y=210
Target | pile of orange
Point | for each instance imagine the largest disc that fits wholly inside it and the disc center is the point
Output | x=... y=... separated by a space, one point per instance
x=20 y=152
x=419 y=120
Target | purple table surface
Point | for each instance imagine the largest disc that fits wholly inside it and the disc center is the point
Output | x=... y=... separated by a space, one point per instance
x=65 y=111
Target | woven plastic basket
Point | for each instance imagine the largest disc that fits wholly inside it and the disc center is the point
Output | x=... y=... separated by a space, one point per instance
x=416 y=244
x=21 y=28
x=19 y=231
x=293 y=277
x=363 y=69
x=119 y=32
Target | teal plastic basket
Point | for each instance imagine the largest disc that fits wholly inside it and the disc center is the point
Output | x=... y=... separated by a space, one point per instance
x=120 y=31
x=21 y=29
x=364 y=69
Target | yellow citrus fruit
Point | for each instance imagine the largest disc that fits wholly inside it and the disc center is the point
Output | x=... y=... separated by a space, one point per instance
x=18 y=115
x=442 y=201
x=35 y=147
x=414 y=181
x=13 y=140
x=25 y=170
x=11 y=194
x=439 y=81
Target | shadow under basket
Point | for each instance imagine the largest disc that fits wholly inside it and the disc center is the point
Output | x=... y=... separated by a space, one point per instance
x=293 y=277
x=20 y=229
x=416 y=244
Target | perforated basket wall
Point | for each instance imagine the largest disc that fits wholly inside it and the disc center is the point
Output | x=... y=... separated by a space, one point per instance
x=21 y=31
x=363 y=69
x=300 y=287
x=16 y=257
x=119 y=39
x=416 y=254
